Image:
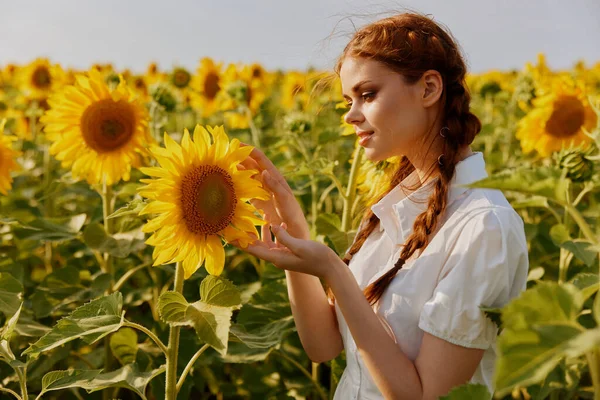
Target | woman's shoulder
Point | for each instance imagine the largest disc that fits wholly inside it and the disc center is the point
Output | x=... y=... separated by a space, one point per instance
x=487 y=212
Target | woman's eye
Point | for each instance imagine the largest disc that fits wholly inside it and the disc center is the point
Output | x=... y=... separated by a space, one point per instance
x=368 y=96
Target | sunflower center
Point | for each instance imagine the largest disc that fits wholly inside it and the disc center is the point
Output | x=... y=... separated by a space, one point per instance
x=41 y=78
x=211 y=85
x=256 y=72
x=181 y=78
x=108 y=125
x=567 y=117
x=208 y=199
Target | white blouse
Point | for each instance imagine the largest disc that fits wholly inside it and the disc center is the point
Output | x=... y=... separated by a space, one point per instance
x=478 y=256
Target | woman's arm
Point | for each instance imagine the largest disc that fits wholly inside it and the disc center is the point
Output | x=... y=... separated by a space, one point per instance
x=314 y=317
x=439 y=366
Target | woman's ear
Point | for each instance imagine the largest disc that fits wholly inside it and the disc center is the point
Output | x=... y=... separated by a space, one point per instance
x=432 y=87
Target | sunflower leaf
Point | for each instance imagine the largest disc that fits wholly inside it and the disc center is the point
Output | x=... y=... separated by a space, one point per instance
x=587 y=283
x=132 y=208
x=540 y=329
x=90 y=322
x=11 y=291
x=128 y=377
x=218 y=291
x=57 y=380
x=124 y=345
x=172 y=307
x=96 y=238
x=52 y=229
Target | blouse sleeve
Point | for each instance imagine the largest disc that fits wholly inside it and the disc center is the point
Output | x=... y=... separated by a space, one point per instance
x=487 y=265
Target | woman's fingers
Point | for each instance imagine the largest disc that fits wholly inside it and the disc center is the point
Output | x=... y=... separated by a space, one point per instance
x=265 y=164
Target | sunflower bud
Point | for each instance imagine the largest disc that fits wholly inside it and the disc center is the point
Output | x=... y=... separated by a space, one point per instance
x=163 y=96
x=239 y=91
x=297 y=123
x=579 y=167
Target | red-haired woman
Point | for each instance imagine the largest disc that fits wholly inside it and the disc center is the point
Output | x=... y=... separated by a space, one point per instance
x=404 y=301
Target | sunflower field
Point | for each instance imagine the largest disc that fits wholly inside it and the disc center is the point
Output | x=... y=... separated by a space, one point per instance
x=121 y=192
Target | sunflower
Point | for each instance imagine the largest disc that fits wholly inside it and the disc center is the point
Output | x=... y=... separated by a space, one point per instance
x=241 y=89
x=40 y=78
x=100 y=132
x=7 y=159
x=180 y=78
x=560 y=114
x=294 y=90
x=200 y=197
x=206 y=85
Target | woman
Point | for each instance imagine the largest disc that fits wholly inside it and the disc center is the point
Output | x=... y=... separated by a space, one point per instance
x=404 y=301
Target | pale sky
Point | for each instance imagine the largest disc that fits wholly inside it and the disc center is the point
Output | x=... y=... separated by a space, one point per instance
x=501 y=34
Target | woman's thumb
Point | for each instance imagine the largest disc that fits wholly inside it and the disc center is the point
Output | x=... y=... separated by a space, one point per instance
x=283 y=236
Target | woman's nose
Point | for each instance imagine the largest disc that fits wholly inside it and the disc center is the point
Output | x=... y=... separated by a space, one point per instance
x=354 y=116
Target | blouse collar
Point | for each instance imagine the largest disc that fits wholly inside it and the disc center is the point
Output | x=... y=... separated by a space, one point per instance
x=397 y=212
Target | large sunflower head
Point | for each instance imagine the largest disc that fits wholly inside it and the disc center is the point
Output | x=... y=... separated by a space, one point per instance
x=97 y=131
x=206 y=85
x=199 y=197
x=560 y=115
x=8 y=158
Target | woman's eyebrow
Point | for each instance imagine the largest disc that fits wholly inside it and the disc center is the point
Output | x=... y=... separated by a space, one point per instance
x=357 y=86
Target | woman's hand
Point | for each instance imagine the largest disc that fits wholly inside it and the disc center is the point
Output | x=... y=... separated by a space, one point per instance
x=293 y=254
x=283 y=206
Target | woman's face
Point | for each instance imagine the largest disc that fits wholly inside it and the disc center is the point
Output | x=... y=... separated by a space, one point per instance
x=381 y=102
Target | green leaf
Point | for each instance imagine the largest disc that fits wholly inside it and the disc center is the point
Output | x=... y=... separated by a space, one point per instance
x=210 y=317
x=172 y=306
x=540 y=181
x=262 y=324
x=211 y=324
x=540 y=329
x=56 y=380
x=328 y=223
x=219 y=291
x=58 y=288
x=7 y=331
x=96 y=238
x=128 y=377
x=11 y=293
x=587 y=283
x=468 y=391
x=52 y=229
x=124 y=345
x=132 y=208
x=90 y=322
x=582 y=251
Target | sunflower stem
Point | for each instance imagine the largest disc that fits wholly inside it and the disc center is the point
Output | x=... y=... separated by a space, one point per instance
x=173 y=346
x=48 y=206
x=351 y=190
x=190 y=365
x=107 y=203
x=253 y=129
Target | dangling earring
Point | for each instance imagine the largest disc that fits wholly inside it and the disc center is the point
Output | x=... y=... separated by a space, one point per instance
x=442 y=131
